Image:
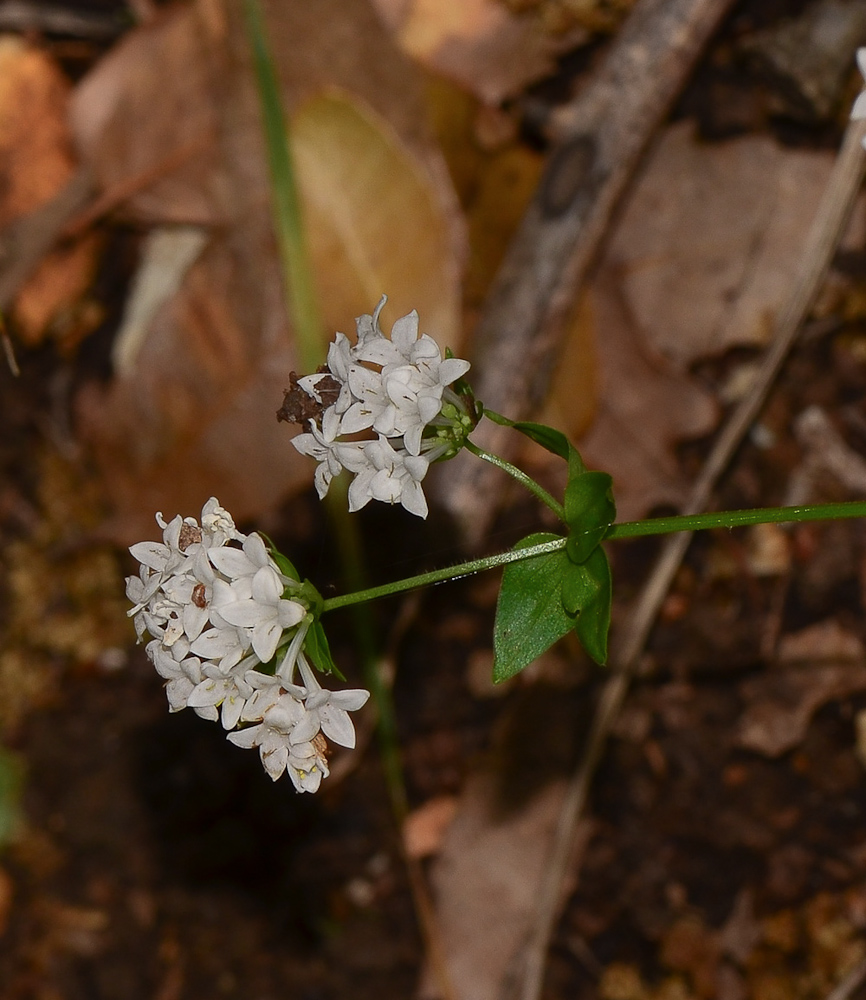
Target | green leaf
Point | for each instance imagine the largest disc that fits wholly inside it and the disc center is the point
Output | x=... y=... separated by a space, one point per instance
x=530 y=616
x=308 y=594
x=317 y=649
x=554 y=441
x=589 y=512
x=587 y=593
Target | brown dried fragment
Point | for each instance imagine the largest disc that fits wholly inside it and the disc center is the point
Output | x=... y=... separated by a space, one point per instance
x=189 y=535
x=198 y=598
x=320 y=744
x=299 y=407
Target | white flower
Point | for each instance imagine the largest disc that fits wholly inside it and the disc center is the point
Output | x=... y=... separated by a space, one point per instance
x=406 y=395
x=265 y=614
x=390 y=476
x=273 y=735
x=307 y=765
x=324 y=446
x=180 y=676
x=230 y=690
x=330 y=709
x=218 y=525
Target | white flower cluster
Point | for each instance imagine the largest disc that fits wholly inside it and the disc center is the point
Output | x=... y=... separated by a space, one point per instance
x=859 y=109
x=391 y=387
x=214 y=601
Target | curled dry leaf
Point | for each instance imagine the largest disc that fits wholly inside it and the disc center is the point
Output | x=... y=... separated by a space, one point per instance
x=37 y=161
x=828 y=665
x=480 y=44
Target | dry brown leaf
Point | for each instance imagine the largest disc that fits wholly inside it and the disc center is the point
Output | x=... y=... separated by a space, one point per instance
x=36 y=161
x=34 y=138
x=486 y=884
x=825 y=641
x=206 y=382
x=503 y=185
x=560 y=15
x=480 y=44
x=373 y=222
x=645 y=407
x=574 y=389
x=780 y=704
x=711 y=239
x=425 y=827
x=124 y=132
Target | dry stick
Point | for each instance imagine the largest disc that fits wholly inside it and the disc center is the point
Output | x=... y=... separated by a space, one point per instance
x=830 y=220
x=123 y=190
x=24 y=242
x=18 y=15
x=601 y=138
x=850 y=983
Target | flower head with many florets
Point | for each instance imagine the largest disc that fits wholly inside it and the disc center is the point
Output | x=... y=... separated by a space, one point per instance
x=383 y=409
x=228 y=623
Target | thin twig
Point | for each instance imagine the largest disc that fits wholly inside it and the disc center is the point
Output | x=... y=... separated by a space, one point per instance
x=8 y=349
x=850 y=983
x=24 y=242
x=113 y=197
x=53 y=19
x=829 y=224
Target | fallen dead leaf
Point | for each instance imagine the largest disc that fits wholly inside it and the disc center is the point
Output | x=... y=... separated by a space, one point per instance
x=426 y=826
x=366 y=203
x=503 y=187
x=780 y=704
x=486 y=881
x=488 y=49
x=123 y=133
x=36 y=161
x=825 y=642
x=645 y=407
x=711 y=239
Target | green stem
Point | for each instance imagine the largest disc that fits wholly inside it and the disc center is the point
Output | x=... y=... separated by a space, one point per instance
x=288 y=221
x=441 y=575
x=737 y=519
x=626 y=529
x=534 y=488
